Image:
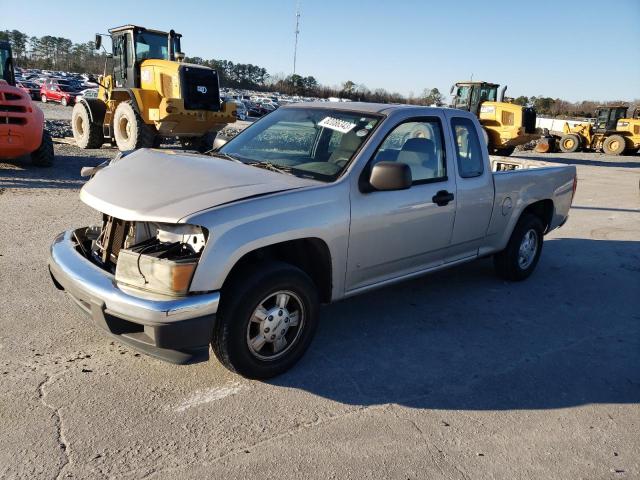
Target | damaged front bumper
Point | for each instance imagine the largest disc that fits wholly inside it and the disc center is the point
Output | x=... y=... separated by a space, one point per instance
x=175 y=329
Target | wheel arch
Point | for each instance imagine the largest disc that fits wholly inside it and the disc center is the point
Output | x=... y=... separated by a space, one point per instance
x=543 y=209
x=311 y=255
x=96 y=108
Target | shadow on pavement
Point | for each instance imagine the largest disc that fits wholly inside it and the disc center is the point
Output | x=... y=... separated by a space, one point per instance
x=626 y=161
x=463 y=339
x=64 y=174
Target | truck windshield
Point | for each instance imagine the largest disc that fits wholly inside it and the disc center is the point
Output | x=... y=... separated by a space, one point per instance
x=315 y=143
x=153 y=45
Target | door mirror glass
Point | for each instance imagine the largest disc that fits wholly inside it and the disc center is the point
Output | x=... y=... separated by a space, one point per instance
x=390 y=176
x=98 y=41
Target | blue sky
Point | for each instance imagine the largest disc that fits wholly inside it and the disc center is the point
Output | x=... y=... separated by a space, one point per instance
x=585 y=50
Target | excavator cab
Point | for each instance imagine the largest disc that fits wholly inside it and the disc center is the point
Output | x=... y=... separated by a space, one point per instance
x=607 y=117
x=470 y=95
x=6 y=64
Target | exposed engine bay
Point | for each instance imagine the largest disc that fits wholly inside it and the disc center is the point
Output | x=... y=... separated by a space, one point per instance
x=152 y=256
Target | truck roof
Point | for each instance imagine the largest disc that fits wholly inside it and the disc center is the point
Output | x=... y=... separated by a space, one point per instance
x=365 y=107
x=137 y=28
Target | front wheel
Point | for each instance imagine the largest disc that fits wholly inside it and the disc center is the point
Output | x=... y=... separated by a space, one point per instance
x=267 y=319
x=129 y=129
x=570 y=143
x=519 y=259
x=44 y=155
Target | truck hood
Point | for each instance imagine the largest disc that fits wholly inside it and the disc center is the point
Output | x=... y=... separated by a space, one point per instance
x=150 y=185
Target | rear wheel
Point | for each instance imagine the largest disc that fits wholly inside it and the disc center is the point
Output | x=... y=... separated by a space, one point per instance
x=614 y=145
x=129 y=129
x=266 y=321
x=519 y=259
x=504 y=152
x=43 y=156
x=570 y=143
x=43 y=98
x=201 y=144
x=64 y=102
x=86 y=133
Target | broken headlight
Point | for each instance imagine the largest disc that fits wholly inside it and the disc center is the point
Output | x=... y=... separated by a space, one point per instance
x=165 y=261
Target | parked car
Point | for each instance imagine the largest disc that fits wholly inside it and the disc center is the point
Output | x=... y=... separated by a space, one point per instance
x=241 y=110
x=88 y=93
x=58 y=90
x=260 y=109
x=310 y=205
x=30 y=88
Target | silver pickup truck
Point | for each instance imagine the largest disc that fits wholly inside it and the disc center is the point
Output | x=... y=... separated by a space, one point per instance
x=309 y=205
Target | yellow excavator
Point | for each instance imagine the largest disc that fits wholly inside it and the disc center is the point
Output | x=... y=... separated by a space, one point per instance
x=507 y=125
x=614 y=132
x=151 y=94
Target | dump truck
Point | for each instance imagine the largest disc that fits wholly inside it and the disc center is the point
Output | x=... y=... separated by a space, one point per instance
x=22 y=127
x=613 y=132
x=150 y=94
x=506 y=125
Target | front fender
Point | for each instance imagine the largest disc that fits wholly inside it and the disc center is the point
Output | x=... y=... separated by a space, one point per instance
x=235 y=230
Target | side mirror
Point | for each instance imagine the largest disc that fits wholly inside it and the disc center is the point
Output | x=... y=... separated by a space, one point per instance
x=452 y=88
x=390 y=176
x=98 y=41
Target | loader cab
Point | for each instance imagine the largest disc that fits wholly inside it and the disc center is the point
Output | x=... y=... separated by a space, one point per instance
x=133 y=45
x=607 y=117
x=6 y=64
x=470 y=95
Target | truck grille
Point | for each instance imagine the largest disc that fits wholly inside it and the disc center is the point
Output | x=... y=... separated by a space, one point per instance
x=200 y=88
x=529 y=120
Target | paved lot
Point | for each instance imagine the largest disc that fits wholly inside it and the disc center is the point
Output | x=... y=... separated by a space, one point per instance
x=457 y=375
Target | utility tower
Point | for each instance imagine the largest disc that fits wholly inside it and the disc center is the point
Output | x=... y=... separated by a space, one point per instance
x=295 y=46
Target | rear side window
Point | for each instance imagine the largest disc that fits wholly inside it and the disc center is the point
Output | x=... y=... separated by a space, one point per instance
x=468 y=148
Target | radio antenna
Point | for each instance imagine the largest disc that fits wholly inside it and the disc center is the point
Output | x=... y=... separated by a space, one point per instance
x=297 y=32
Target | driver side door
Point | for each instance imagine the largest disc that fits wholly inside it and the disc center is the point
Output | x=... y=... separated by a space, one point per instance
x=394 y=234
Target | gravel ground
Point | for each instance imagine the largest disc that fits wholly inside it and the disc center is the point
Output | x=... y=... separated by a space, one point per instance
x=457 y=375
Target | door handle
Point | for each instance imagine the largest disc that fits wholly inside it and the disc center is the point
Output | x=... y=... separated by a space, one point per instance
x=442 y=198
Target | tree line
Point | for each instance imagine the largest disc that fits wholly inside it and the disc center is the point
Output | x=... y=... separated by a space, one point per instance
x=59 y=53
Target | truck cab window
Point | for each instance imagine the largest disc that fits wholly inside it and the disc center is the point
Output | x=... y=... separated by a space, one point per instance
x=419 y=145
x=468 y=148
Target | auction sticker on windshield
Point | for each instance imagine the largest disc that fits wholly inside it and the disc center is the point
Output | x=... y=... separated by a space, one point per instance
x=336 y=124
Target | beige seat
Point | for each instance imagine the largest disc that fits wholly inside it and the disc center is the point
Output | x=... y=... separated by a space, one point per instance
x=349 y=143
x=420 y=155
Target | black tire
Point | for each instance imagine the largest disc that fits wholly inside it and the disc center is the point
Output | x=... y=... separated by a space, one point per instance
x=504 y=152
x=129 y=130
x=43 y=156
x=86 y=133
x=240 y=299
x=614 y=145
x=569 y=143
x=508 y=262
x=201 y=144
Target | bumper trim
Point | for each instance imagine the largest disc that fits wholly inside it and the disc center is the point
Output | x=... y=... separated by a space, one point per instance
x=87 y=282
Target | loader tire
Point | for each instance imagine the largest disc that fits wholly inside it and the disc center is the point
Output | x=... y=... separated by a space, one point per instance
x=86 y=133
x=43 y=156
x=201 y=144
x=129 y=130
x=504 y=152
x=570 y=143
x=614 y=145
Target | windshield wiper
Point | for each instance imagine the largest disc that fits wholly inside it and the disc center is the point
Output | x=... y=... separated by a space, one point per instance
x=226 y=156
x=271 y=166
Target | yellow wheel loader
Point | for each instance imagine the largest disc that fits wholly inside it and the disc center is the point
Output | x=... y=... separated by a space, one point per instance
x=150 y=94
x=506 y=125
x=614 y=132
